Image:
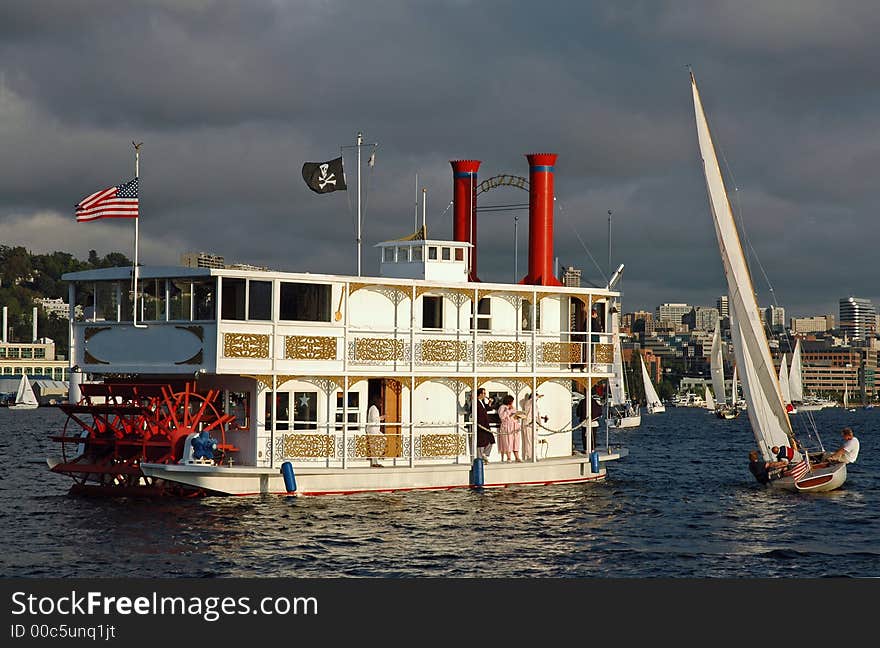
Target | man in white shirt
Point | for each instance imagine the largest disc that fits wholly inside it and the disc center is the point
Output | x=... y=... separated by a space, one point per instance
x=849 y=451
x=374 y=448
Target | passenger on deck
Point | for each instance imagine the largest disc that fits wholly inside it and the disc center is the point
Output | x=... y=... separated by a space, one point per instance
x=508 y=433
x=485 y=438
x=764 y=471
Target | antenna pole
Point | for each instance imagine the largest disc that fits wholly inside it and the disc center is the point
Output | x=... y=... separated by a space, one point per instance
x=134 y=277
x=424 y=215
x=360 y=141
x=416 y=213
x=515 y=248
x=609 y=242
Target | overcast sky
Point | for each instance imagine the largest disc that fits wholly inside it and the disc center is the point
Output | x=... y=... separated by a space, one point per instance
x=230 y=98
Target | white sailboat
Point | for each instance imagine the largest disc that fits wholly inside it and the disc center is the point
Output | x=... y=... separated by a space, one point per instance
x=767 y=416
x=621 y=413
x=25 y=399
x=710 y=401
x=846 y=399
x=654 y=404
x=795 y=377
x=784 y=387
x=716 y=367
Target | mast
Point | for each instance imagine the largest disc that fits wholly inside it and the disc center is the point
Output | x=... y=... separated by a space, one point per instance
x=360 y=141
x=134 y=309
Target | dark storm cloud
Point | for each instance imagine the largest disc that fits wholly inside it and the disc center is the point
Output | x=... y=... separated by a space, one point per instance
x=231 y=98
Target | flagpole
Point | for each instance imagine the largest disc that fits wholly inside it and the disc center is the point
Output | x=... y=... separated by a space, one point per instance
x=424 y=209
x=360 y=140
x=137 y=162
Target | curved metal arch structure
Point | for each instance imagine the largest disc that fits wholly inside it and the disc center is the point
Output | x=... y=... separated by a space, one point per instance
x=504 y=180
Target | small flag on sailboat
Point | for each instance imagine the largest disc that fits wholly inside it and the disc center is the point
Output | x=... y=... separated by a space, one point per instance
x=324 y=177
x=799 y=469
x=120 y=201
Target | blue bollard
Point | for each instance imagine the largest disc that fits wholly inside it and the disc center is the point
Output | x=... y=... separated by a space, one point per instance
x=477 y=477
x=594 y=461
x=289 y=478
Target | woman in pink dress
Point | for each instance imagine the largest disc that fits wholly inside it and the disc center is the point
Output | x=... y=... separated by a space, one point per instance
x=508 y=433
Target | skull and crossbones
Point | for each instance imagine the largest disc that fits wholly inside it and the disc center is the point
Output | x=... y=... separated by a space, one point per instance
x=326 y=178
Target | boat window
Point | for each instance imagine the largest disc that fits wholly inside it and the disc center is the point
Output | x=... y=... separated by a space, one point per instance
x=26 y=353
x=105 y=300
x=526 y=316
x=14 y=353
x=432 y=253
x=204 y=292
x=180 y=297
x=402 y=254
x=259 y=300
x=388 y=255
x=305 y=302
x=282 y=409
x=432 y=312
x=2 y=352
x=447 y=253
x=153 y=306
x=239 y=405
x=305 y=410
x=353 y=410
x=417 y=253
x=459 y=254
x=232 y=299
x=40 y=353
x=484 y=314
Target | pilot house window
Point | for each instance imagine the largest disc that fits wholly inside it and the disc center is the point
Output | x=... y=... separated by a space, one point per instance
x=432 y=312
x=305 y=302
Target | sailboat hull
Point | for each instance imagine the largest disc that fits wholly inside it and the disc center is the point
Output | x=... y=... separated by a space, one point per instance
x=24 y=406
x=656 y=409
x=819 y=480
x=626 y=422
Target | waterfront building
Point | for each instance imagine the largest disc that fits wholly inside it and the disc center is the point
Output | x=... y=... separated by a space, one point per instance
x=723 y=306
x=571 y=278
x=858 y=318
x=57 y=307
x=774 y=317
x=701 y=318
x=672 y=314
x=813 y=324
x=202 y=260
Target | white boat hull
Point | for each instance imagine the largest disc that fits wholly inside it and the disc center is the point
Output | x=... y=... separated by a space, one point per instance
x=245 y=480
x=819 y=480
x=626 y=422
x=23 y=406
x=656 y=409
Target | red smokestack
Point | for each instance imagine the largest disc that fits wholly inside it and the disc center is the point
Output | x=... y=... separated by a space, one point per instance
x=464 y=208
x=541 y=220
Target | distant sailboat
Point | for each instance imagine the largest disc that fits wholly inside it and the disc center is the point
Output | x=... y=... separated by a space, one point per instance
x=654 y=404
x=710 y=401
x=25 y=399
x=784 y=385
x=721 y=408
x=621 y=413
x=795 y=377
x=767 y=416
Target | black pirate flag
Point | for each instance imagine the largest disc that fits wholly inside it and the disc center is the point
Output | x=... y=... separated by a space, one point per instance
x=324 y=177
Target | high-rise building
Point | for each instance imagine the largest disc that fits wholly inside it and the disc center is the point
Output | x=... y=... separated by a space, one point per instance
x=774 y=317
x=723 y=306
x=815 y=324
x=702 y=318
x=202 y=260
x=572 y=277
x=858 y=318
x=672 y=313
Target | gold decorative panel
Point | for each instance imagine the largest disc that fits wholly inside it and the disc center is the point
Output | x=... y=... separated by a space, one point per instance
x=245 y=345
x=370 y=445
x=563 y=352
x=504 y=352
x=444 y=350
x=386 y=349
x=309 y=445
x=604 y=353
x=309 y=347
x=443 y=445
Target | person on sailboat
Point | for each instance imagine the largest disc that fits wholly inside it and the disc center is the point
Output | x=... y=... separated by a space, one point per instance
x=764 y=471
x=783 y=453
x=849 y=451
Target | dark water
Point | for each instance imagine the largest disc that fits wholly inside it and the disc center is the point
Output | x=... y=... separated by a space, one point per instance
x=683 y=504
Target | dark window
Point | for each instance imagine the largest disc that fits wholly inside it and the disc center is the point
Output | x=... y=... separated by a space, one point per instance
x=432 y=312
x=282 y=409
x=233 y=299
x=305 y=410
x=484 y=314
x=239 y=405
x=204 y=298
x=260 y=300
x=305 y=302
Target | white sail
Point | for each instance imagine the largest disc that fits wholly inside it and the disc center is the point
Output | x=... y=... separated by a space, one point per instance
x=767 y=414
x=716 y=366
x=783 y=381
x=733 y=390
x=651 y=396
x=25 y=394
x=710 y=402
x=618 y=392
x=795 y=377
x=846 y=395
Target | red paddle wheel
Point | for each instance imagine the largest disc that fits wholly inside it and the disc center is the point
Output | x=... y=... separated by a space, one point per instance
x=118 y=426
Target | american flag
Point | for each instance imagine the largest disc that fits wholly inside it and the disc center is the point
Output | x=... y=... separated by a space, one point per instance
x=799 y=469
x=120 y=201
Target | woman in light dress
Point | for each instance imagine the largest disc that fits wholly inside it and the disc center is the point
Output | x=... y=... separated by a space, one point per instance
x=508 y=433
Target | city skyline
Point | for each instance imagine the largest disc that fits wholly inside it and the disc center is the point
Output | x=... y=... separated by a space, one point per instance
x=248 y=93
